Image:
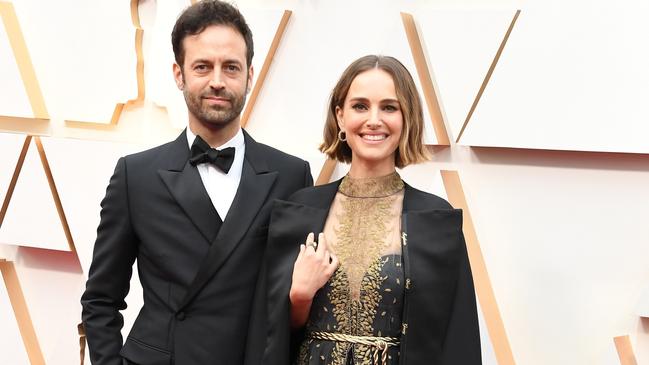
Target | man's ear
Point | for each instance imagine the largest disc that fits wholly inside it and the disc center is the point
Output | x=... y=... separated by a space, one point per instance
x=178 y=76
x=251 y=73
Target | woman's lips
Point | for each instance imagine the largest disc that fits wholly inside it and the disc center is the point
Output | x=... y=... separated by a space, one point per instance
x=374 y=137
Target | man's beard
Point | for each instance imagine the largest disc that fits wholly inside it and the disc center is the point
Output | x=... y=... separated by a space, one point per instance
x=215 y=114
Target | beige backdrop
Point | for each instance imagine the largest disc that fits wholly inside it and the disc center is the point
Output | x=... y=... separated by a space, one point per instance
x=536 y=114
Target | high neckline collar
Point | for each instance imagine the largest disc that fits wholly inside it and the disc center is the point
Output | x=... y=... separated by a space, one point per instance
x=371 y=187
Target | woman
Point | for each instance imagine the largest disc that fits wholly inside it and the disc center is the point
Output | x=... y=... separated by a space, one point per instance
x=388 y=281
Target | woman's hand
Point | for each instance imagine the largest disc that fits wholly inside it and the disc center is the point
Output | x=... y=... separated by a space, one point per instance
x=313 y=267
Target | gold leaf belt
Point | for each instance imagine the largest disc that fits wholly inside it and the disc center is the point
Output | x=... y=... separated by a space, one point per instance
x=380 y=344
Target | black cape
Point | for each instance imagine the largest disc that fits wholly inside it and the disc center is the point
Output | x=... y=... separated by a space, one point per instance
x=440 y=322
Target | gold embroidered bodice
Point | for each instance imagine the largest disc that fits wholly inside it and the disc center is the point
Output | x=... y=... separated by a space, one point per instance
x=364 y=296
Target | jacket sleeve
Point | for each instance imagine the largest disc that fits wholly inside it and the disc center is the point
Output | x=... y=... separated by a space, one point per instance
x=308 y=178
x=462 y=343
x=110 y=273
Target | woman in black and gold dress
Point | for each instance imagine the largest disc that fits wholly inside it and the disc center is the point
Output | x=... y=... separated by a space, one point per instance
x=388 y=281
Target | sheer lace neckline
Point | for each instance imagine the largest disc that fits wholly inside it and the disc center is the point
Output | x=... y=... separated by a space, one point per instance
x=371 y=187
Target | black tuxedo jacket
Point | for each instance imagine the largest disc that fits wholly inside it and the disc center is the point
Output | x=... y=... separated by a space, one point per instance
x=440 y=322
x=198 y=279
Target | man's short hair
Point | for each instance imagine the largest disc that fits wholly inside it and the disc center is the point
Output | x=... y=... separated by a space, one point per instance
x=203 y=14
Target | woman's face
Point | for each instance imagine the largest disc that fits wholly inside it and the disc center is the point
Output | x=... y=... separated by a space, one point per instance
x=372 y=120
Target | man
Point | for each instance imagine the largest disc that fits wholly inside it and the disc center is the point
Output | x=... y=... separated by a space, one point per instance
x=194 y=218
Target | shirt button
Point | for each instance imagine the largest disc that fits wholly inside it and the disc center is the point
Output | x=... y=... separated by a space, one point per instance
x=180 y=316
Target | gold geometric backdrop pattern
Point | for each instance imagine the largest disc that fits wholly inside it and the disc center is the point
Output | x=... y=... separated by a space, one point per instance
x=137 y=123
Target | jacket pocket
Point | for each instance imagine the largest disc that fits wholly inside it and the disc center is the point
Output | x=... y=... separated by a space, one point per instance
x=144 y=354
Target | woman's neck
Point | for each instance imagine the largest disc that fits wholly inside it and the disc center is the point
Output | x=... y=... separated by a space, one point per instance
x=367 y=170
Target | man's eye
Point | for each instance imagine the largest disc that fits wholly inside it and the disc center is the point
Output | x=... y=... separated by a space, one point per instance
x=201 y=68
x=232 y=68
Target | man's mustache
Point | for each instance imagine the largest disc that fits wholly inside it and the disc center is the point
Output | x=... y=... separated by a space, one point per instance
x=219 y=94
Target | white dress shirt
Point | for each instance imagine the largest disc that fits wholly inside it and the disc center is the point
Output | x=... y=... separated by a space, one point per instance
x=222 y=187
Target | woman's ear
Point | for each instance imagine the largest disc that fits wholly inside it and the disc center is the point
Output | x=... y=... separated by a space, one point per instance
x=339 y=118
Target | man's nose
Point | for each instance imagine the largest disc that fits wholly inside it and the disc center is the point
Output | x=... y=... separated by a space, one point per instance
x=216 y=81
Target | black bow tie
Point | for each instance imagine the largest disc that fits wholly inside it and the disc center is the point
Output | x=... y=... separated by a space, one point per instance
x=202 y=152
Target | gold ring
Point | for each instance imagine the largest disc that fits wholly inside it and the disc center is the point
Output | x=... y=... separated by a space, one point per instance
x=312 y=244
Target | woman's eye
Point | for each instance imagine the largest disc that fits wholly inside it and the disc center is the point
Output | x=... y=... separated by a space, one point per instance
x=359 y=106
x=390 y=108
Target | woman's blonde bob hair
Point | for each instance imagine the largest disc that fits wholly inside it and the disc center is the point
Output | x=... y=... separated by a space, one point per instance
x=411 y=147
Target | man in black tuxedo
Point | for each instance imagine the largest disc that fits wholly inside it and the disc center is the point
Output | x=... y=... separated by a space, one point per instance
x=193 y=212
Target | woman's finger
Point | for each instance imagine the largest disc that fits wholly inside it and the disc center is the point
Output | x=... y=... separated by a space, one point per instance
x=301 y=253
x=322 y=242
x=310 y=241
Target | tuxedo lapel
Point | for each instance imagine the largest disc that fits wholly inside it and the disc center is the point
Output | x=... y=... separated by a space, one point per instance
x=185 y=185
x=254 y=187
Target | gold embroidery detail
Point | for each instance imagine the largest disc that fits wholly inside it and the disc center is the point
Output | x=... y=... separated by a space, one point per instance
x=304 y=356
x=365 y=223
x=375 y=187
x=356 y=316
